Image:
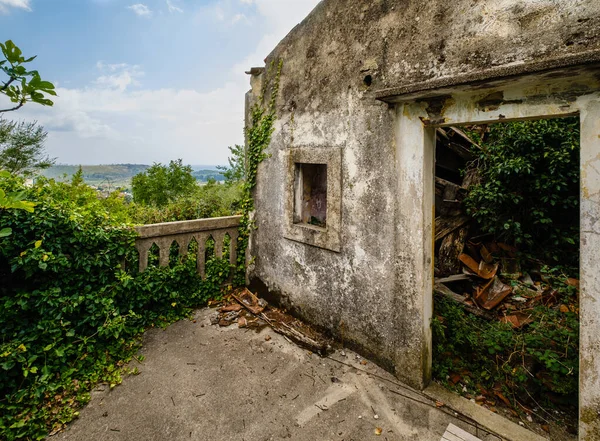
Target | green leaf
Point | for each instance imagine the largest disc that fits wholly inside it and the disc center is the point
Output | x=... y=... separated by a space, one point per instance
x=5 y=232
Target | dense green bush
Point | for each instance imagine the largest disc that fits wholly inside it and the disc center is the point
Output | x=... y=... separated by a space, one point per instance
x=209 y=200
x=72 y=303
x=529 y=189
x=160 y=184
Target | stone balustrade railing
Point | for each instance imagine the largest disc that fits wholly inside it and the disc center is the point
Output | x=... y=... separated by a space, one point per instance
x=200 y=230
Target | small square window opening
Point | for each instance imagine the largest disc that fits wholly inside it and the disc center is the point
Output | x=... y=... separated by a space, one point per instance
x=310 y=194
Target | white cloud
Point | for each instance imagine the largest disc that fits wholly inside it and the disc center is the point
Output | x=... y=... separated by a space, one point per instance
x=118 y=76
x=116 y=118
x=140 y=9
x=172 y=7
x=111 y=122
x=6 y=5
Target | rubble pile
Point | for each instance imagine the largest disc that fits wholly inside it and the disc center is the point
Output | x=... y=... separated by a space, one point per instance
x=246 y=310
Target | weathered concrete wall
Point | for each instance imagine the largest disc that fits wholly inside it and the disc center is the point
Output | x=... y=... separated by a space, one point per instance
x=371 y=293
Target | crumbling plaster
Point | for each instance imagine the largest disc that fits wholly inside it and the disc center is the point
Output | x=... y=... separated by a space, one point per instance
x=373 y=293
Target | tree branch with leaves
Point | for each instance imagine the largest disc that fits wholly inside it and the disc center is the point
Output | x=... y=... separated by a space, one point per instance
x=22 y=85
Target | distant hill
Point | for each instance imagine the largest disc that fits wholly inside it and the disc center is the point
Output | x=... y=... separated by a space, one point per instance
x=119 y=175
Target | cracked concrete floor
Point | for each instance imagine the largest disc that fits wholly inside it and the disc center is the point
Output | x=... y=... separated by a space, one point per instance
x=202 y=382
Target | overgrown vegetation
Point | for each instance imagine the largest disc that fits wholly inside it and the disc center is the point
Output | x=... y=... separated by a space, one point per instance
x=258 y=136
x=171 y=193
x=21 y=86
x=528 y=193
x=525 y=197
x=70 y=312
x=72 y=303
x=209 y=200
x=161 y=184
x=488 y=355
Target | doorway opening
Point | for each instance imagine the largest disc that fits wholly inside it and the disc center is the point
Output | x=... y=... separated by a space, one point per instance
x=506 y=274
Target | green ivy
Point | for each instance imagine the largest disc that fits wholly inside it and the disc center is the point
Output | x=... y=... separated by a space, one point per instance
x=258 y=135
x=73 y=305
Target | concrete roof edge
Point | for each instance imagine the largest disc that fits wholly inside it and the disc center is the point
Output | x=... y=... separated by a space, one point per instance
x=506 y=71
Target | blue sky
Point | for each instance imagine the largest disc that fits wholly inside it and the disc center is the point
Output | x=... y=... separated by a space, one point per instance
x=145 y=81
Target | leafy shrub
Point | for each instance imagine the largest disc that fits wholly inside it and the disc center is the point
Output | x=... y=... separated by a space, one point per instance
x=162 y=184
x=210 y=200
x=529 y=189
x=72 y=304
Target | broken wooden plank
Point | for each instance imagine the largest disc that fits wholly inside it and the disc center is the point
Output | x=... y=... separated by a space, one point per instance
x=453 y=278
x=249 y=301
x=460 y=150
x=442 y=133
x=482 y=269
x=464 y=136
x=450 y=249
x=471 y=177
x=304 y=336
x=448 y=198
x=443 y=291
x=446 y=225
x=451 y=186
x=492 y=293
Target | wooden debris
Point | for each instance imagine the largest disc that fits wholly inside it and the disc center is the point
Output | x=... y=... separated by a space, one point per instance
x=296 y=331
x=517 y=320
x=258 y=314
x=250 y=301
x=492 y=293
x=446 y=225
x=444 y=291
x=453 y=278
x=486 y=255
x=460 y=150
x=448 y=197
x=464 y=136
x=482 y=269
x=232 y=307
x=471 y=177
x=450 y=250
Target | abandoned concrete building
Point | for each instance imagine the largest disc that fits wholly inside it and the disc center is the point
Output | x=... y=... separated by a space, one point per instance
x=364 y=86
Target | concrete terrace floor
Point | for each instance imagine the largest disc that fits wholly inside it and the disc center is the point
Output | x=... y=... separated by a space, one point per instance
x=202 y=382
